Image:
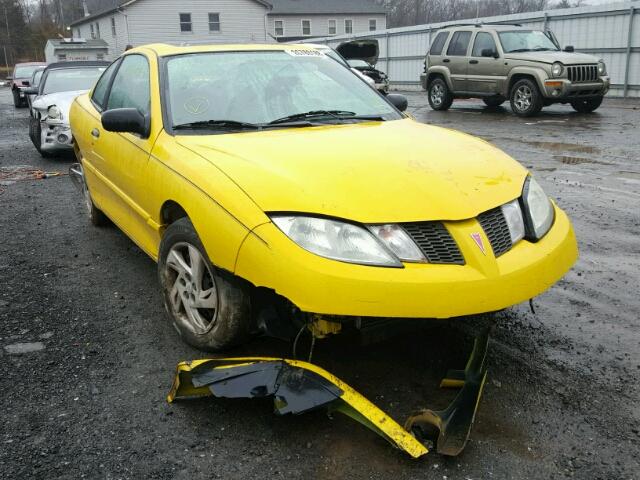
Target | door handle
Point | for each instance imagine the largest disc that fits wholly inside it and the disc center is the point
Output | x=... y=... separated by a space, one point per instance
x=95 y=133
x=446 y=60
x=473 y=61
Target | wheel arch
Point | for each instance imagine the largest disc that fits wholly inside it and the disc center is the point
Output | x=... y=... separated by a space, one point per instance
x=171 y=211
x=524 y=73
x=439 y=72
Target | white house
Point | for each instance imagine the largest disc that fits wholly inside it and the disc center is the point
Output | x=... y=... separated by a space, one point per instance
x=68 y=49
x=296 y=19
x=137 y=22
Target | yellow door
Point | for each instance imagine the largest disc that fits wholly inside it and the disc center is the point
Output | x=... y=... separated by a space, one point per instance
x=121 y=159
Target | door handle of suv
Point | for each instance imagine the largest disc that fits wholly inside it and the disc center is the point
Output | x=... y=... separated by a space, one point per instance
x=473 y=61
x=95 y=133
x=446 y=60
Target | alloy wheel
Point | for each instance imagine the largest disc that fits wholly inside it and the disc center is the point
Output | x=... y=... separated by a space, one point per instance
x=191 y=288
x=523 y=97
x=437 y=94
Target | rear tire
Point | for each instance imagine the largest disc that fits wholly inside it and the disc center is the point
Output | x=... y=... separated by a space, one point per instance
x=440 y=97
x=525 y=98
x=493 y=102
x=588 y=105
x=211 y=310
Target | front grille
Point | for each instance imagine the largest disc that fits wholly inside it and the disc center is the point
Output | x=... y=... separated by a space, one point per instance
x=435 y=242
x=495 y=227
x=582 y=73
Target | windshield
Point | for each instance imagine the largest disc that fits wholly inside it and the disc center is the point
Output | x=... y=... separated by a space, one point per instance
x=36 y=78
x=261 y=87
x=526 y=41
x=71 y=79
x=25 y=71
x=355 y=63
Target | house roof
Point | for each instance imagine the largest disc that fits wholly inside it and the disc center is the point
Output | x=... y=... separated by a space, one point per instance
x=329 y=7
x=110 y=6
x=78 y=44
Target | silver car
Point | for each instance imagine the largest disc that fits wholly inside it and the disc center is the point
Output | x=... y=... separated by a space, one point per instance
x=61 y=83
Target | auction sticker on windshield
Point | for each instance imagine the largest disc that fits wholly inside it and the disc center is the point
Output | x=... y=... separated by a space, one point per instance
x=305 y=53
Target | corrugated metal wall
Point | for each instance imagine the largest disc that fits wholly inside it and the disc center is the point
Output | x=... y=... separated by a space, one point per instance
x=610 y=32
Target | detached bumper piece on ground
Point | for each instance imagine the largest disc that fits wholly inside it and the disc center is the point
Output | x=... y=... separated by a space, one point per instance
x=298 y=387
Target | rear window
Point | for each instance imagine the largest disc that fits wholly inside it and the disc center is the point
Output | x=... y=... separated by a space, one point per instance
x=438 y=43
x=459 y=43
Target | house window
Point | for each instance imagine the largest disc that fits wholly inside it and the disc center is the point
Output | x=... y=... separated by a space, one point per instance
x=185 y=23
x=214 y=22
x=62 y=57
x=348 y=26
x=93 y=32
x=333 y=28
x=278 y=28
x=306 y=27
x=97 y=30
x=113 y=26
x=100 y=56
x=373 y=25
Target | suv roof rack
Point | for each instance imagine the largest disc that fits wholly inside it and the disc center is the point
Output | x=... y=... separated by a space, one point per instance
x=478 y=25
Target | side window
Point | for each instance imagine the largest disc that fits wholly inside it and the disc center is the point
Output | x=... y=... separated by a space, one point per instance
x=438 y=43
x=483 y=41
x=100 y=92
x=459 y=43
x=131 y=87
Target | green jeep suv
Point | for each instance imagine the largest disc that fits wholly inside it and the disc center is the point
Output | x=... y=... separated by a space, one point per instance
x=500 y=62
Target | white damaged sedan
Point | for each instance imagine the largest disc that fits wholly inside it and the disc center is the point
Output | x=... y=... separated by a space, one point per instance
x=61 y=83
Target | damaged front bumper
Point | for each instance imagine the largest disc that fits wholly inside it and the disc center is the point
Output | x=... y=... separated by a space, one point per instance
x=298 y=387
x=55 y=136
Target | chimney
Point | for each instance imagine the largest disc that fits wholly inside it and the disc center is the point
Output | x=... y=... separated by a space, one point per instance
x=84 y=7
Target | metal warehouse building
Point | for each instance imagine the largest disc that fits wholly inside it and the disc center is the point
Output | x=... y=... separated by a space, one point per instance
x=610 y=32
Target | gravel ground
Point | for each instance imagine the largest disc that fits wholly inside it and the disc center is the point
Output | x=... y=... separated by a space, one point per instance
x=88 y=355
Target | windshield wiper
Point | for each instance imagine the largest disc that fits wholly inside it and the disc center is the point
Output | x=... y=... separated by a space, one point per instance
x=230 y=124
x=519 y=50
x=542 y=49
x=312 y=114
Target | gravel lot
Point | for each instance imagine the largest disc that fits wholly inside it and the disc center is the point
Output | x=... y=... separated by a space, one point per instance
x=88 y=400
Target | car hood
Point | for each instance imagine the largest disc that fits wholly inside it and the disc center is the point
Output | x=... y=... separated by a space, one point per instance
x=367 y=50
x=62 y=100
x=395 y=171
x=565 y=58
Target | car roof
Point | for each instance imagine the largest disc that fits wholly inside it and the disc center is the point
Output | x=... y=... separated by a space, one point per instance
x=23 y=64
x=164 y=49
x=63 y=65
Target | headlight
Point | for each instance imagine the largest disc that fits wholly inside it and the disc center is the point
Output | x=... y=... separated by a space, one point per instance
x=336 y=240
x=398 y=241
x=557 y=69
x=54 y=112
x=538 y=209
x=602 y=68
x=513 y=215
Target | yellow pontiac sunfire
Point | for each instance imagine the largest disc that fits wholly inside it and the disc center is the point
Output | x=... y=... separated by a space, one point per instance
x=269 y=181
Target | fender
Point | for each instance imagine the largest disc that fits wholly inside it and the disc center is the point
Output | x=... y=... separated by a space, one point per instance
x=539 y=74
x=442 y=70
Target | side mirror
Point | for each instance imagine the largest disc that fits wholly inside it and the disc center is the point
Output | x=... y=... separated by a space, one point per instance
x=128 y=120
x=489 y=52
x=31 y=91
x=569 y=48
x=398 y=101
x=26 y=83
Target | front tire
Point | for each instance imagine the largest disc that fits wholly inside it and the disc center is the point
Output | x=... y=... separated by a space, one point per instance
x=209 y=309
x=440 y=97
x=96 y=216
x=17 y=102
x=587 y=105
x=525 y=98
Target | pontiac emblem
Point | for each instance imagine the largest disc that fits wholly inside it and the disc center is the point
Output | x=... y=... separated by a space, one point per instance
x=478 y=239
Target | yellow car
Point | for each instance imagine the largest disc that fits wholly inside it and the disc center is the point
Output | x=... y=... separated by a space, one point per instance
x=275 y=188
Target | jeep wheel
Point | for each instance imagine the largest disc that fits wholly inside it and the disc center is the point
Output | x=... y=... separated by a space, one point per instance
x=209 y=309
x=493 y=102
x=526 y=100
x=587 y=105
x=440 y=97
